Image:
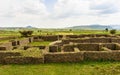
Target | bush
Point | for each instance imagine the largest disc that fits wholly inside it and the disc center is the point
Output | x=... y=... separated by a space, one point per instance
x=113 y=31
x=26 y=33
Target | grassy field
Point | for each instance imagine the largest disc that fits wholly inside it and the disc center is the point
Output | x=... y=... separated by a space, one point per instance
x=82 y=68
x=5 y=33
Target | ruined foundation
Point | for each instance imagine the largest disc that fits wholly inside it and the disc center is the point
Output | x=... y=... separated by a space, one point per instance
x=69 y=48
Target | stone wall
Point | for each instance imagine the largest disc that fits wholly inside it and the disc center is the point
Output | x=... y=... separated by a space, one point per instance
x=63 y=57
x=53 y=48
x=115 y=40
x=68 y=48
x=81 y=56
x=8 y=38
x=88 y=47
x=49 y=38
x=90 y=40
x=100 y=40
x=102 y=55
x=23 y=42
x=6 y=46
x=117 y=46
x=111 y=46
x=23 y=60
x=40 y=47
x=88 y=35
x=81 y=47
x=7 y=54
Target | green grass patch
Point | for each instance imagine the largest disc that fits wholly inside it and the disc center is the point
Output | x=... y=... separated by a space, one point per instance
x=44 y=43
x=83 y=68
x=31 y=52
x=4 y=41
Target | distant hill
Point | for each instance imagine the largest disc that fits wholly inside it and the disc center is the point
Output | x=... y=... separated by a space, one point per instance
x=91 y=27
x=29 y=27
x=15 y=28
x=116 y=27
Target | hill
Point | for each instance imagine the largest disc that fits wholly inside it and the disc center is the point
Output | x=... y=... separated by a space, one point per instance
x=91 y=27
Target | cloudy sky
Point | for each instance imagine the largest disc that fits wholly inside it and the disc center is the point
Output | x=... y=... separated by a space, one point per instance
x=58 y=13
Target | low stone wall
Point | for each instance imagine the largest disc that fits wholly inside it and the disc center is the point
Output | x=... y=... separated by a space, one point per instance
x=49 y=38
x=8 y=38
x=102 y=55
x=6 y=46
x=91 y=40
x=23 y=42
x=30 y=39
x=115 y=40
x=68 y=48
x=117 y=46
x=105 y=49
x=87 y=35
x=60 y=37
x=79 y=40
x=80 y=36
x=88 y=47
x=63 y=57
x=14 y=42
x=82 y=56
x=40 y=47
x=53 y=48
x=46 y=38
x=100 y=40
x=16 y=58
x=7 y=54
x=81 y=47
x=23 y=60
x=111 y=46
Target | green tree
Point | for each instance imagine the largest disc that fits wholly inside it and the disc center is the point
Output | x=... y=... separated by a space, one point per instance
x=70 y=30
x=106 y=29
x=26 y=33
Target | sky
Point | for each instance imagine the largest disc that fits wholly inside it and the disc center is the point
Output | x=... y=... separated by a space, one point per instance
x=58 y=13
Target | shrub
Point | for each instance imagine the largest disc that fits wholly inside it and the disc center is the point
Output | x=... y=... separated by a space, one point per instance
x=113 y=31
x=70 y=30
x=26 y=33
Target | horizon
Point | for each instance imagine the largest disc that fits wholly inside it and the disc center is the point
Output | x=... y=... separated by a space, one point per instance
x=58 y=13
x=113 y=26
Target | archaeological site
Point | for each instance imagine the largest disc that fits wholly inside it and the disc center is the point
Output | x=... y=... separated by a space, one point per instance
x=62 y=48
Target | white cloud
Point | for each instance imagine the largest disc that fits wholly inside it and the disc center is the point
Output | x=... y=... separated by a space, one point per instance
x=68 y=8
x=34 y=7
x=105 y=6
x=16 y=12
x=65 y=12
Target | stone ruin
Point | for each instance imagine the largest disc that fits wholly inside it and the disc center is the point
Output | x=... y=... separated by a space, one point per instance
x=76 y=48
x=64 y=48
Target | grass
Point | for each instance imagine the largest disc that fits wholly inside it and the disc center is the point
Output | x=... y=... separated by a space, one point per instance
x=82 y=68
x=4 y=41
x=31 y=52
x=5 y=33
x=44 y=43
